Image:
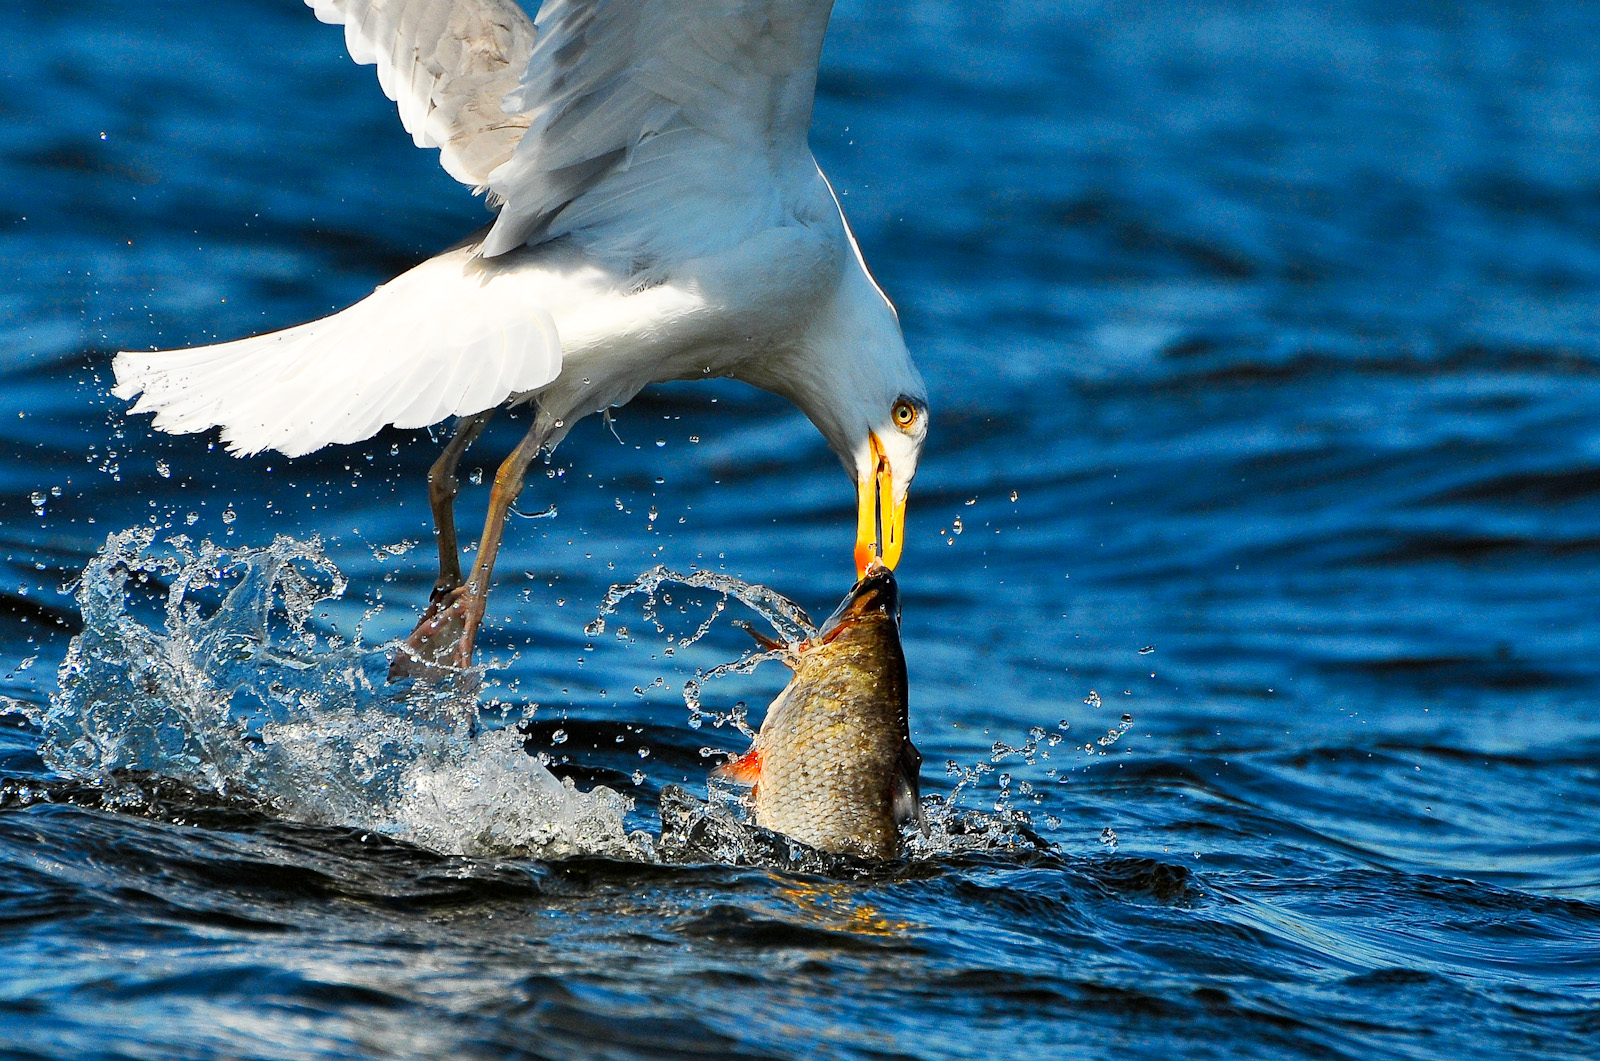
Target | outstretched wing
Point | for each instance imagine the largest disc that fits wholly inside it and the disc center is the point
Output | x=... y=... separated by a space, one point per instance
x=448 y=64
x=735 y=78
x=451 y=337
x=541 y=113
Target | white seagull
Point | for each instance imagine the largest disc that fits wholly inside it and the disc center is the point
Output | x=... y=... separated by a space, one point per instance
x=661 y=218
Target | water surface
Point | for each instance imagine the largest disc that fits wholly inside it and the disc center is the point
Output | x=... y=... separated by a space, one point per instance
x=1264 y=351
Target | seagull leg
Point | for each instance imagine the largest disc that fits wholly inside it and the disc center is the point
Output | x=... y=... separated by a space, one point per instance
x=420 y=656
x=443 y=486
x=448 y=629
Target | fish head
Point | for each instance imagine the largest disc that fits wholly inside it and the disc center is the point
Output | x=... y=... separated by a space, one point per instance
x=873 y=599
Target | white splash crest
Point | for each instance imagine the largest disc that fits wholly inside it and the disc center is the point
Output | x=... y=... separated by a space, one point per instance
x=236 y=693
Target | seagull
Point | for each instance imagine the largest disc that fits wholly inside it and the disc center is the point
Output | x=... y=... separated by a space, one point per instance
x=659 y=217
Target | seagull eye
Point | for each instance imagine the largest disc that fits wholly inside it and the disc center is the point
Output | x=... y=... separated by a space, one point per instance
x=905 y=414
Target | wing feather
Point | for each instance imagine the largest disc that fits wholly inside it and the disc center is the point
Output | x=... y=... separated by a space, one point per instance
x=540 y=113
x=451 y=337
x=447 y=64
x=606 y=76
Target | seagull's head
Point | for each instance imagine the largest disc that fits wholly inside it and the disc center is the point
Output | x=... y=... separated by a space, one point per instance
x=871 y=405
x=853 y=378
x=883 y=460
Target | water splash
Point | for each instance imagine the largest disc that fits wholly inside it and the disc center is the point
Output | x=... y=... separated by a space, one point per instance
x=956 y=828
x=210 y=668
x=1009 y=825
x=722 y=829
x=953 y=829
x=738 y=716
x=1115 y=733
x=785 y=616
x=787 y=619
x=236 y=693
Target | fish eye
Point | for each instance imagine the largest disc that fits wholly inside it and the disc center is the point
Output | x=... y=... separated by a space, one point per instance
x=904 y=413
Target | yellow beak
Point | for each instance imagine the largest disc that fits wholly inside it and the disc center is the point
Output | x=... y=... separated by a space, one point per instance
x=880 y=522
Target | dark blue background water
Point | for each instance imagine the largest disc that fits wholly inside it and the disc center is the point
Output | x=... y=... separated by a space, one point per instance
x=1266 y=335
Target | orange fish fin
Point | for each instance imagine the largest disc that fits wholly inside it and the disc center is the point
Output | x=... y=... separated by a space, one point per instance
x=746 y=769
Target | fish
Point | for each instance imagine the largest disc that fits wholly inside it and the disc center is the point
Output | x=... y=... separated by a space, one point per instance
x=833 y=765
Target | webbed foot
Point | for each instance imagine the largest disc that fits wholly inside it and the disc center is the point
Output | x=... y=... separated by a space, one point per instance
x=443 y=640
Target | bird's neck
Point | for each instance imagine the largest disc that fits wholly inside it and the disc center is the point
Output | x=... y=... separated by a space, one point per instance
x=849 y=365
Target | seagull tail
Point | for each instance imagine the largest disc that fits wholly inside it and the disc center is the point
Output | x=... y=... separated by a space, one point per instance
x=448 y=338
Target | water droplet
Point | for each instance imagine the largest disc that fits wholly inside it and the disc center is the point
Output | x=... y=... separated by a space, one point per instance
x=1146 y=650
x=229 y=515
x=638 y=777
x=956 y=526
x=644 y=753
x=1108 y=838
x=694 y=438
x=55 y=491
x=660 y=442
x=1013 y=495
x=394 y=449
x=476 y=477
x=596 y=628
x=558 y=737
x=1093 y=699
x=1115 y=733
x=164 y=469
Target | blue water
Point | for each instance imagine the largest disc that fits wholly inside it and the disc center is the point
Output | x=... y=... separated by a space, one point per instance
x=1264 y=350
